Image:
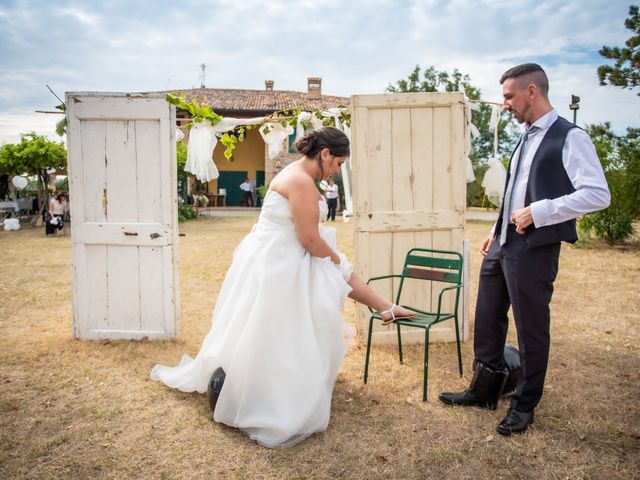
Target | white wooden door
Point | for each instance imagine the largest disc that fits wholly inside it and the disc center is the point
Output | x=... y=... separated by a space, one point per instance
x=409 y=189
x=123 y=197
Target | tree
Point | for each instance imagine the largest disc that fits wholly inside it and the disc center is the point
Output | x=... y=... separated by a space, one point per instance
x=620 y=158
x=626 y=72
x=433 y=80
x=34 y=155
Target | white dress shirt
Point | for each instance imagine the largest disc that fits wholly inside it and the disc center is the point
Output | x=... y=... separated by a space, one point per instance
x=583 y=168
x=331 y=191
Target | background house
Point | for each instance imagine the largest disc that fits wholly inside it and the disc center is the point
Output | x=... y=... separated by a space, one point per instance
x=250 y=157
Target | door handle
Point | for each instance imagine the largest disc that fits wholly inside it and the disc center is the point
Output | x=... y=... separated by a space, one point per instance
x=131 y=234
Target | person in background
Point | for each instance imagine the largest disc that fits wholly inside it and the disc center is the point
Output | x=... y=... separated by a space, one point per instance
x=66 y=219
x=247 y=196
x=200 y=200
x=54 y=221
x=331 y=194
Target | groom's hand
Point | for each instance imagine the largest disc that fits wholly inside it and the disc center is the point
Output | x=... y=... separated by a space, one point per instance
x=522 y=218
x=486 y=244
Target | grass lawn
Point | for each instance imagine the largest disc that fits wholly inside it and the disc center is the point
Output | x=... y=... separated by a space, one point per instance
x=72 y=409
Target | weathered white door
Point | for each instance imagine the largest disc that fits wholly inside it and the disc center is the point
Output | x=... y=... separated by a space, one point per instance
x=123 y=194
x=409 y=189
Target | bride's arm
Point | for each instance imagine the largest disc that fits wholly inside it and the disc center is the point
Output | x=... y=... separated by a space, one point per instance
x=303 y=201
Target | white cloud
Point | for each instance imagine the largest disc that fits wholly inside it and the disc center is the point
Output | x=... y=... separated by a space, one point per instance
x=13 y=124
x=81 y=16
x=357 y=47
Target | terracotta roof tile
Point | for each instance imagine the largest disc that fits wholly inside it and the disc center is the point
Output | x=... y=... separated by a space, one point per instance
x=229 y=100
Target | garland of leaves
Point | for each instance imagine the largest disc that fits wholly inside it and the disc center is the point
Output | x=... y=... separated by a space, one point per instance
x=200 y=112
x=285 y=117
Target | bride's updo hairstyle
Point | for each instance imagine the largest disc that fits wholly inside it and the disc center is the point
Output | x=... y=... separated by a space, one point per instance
x=314 y=141
x=326 y=137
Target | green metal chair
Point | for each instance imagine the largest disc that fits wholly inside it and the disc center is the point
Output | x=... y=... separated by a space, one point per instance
x=429 y=265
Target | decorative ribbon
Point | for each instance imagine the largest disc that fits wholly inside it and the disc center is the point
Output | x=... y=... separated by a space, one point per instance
x=275 y=137
x=303 y=117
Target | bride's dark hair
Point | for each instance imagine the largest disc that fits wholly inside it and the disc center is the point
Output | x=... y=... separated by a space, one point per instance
x=326 y=137
x=314 y=141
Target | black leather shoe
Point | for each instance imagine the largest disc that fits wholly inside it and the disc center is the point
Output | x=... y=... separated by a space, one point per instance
x=214 y=387
x=515 y=422
x=484 y=391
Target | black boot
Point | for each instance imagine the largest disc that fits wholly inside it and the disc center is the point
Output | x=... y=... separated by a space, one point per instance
x=214 y=387
x=484 y=391
x=512 y=360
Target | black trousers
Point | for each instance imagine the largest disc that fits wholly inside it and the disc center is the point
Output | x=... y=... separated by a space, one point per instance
x=50 y=229
x=332 y=203
x=247 y=199
x=521 y=278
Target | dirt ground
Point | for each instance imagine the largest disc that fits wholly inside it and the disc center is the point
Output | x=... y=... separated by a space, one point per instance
x=73 y=409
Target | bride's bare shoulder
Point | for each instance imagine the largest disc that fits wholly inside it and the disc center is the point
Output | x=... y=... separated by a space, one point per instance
x=292 y=180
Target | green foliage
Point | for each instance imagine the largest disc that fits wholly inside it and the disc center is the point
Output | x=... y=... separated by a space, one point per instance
x=186 y=212
x=626 y=71
x=229 y=141
x=33 y=155
x=62 y=185
x=181 y=158
x=620 y=158
x=262 y=191
x=198 y=112
x=61 y=126
x=475 y=192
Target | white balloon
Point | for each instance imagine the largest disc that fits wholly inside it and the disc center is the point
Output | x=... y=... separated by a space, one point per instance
x=19 y=182
x=11 y=224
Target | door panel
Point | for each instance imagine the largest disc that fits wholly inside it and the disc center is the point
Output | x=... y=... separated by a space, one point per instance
x=231 y=181
x=409 y=191
x=122 y=178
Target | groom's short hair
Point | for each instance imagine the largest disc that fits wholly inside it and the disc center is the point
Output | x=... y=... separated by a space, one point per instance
x=526 y=74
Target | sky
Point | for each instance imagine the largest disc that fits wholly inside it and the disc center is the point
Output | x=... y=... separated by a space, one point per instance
x=355 y=46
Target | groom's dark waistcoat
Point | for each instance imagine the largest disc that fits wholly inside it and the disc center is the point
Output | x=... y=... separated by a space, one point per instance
x=548 y=179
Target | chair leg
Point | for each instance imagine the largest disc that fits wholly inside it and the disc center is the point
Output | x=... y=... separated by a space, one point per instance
x=426 y=364
x=399 y=343
x=366 y=362
x=455 y=319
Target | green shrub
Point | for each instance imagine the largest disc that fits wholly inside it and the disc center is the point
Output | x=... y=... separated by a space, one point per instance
x=620 y=158
x=186 y=212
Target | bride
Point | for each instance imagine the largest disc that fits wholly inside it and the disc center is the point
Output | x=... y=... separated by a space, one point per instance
x=277 y=330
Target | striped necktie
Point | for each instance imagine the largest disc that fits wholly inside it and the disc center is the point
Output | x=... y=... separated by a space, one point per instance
x=512 y=180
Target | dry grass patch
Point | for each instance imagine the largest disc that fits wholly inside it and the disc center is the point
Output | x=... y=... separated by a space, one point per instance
x=71 y=409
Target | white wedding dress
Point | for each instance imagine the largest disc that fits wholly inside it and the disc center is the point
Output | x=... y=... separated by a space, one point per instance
x=277 y=331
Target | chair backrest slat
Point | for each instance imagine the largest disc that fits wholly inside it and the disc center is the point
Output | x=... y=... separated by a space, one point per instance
x=423 y=261
x=434 y=275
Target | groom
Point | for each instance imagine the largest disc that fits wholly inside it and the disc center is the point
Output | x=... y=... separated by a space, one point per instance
x=554 y=176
